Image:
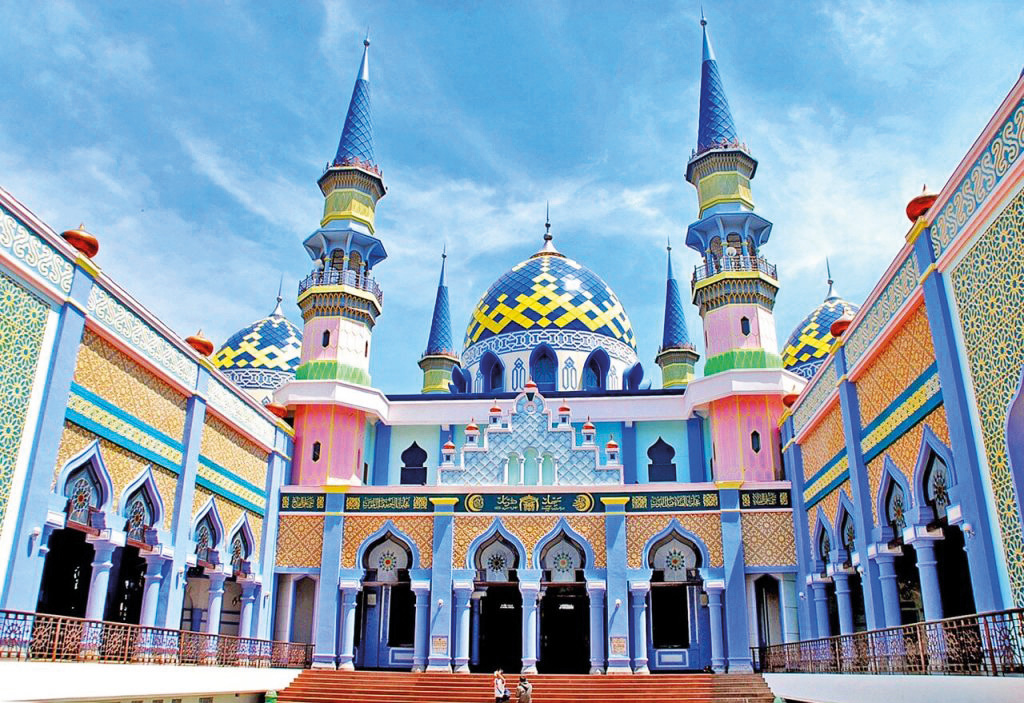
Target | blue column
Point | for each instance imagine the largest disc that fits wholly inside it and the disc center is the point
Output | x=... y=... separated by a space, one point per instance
x=638 y=598
x=440 y=658
x=629 y=453
x=860 y=489
x=596 y=592
x=793 y=459
x=99 y=582
x=215 y=603
x=531 y=595
x=25 y=567
x=463 y=603
x=842 y=582
x=245 y=616
x=381 y=451
x=821 y=608
x=953 y=376
x=695 y=450
x=419 y=652
x=325 y=635
x=890 y=589
x=346 y=658
x=278 y=469
x=717 y=626
x=151 y=590
x=929 y=574
x=617 y=585
x=474 y=643
x=173 y=593
x=737 y=634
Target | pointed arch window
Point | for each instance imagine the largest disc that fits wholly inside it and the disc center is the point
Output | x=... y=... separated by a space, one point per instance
x=848 y=534
x=141 y=517
x=414 y=470
x=896 y=509
x=543 y=368
x=240 y=551
x=936 y=486
x=84 y=495
x=824 y=550
x=662 y=466
x=595 y=370
x=493 y=373
x=206 y=541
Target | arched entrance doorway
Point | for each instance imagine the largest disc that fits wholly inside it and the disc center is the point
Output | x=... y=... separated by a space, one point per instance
x=908 y=581
x=387 y=607
x=673 y=609
x=951 y=562
x=769 y=622
x=497 y=625
x=564 y=609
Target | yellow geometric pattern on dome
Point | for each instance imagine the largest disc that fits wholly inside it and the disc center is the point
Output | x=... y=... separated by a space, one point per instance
x=553 y=305
x=269 y=344
x=810 y=343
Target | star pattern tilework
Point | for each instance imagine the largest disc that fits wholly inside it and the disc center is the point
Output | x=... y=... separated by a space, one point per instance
x=768 y=539
x=549 y=292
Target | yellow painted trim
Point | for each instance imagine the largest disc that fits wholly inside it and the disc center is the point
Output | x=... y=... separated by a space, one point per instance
x=932 y=268
x=839 y=381
x=733 y=275
x=788 y=444
x=728 y=484
x=286 y=428
x=87 y=265
x=920 y=225
x=77 y=306
x=785 y=414
x=357 y=292
x=336 y=488
x=444 y=501
x=205 y=362
x=614 y=500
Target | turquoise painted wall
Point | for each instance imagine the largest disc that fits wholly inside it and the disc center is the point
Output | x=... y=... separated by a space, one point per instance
x=402 y=437
x=673 y=432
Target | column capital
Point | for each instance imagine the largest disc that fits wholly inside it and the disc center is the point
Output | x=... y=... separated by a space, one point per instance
x=217 y=579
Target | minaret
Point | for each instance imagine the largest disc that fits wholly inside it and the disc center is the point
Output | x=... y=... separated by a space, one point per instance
x=735 y=288
x=440 y=356
x=339 y=300
x=677 y=355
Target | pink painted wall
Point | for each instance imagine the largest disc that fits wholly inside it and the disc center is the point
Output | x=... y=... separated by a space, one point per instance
x=312 y=339
x=724 y=332
x=340 y=433
x=732 y=422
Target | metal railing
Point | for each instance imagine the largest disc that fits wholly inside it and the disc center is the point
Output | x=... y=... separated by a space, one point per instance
x=987 y=644
x=735 y=263
x=39 y=637
x=348 y=277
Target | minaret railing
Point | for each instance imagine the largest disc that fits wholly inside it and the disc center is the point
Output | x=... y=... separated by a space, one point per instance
x=735 y=263
x=348 y=277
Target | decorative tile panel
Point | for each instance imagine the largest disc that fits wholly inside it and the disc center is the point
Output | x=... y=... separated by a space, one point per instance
x=228 y=403
x=903 y=452
x=300 y=541
x=824 y=442
x=116 y=377
x=768 y=539
x=96 y=415
x=21 y=341
x=124 y=466
x=34 y=252
x=419 y=528
x=104 y=307
x=641 y=528
x=814 y=398
x=892 y=297
x=527 y=528
x=988 y=170
x=234 y=452
x=906 y=355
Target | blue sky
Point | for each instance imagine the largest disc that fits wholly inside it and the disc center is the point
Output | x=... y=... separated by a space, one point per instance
x=189 y=136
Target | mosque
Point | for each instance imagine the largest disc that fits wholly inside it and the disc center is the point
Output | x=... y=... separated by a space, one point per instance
x=539 y=505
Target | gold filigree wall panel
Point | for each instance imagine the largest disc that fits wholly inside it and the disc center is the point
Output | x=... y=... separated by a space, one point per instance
x=123 y=465
x=641 y=528
x=300 y=541
x=224 y=446
x=905 y=357
x=591 y=529
x=229 y=513
x=419 y=528
x=987 y=284
x=768 y=539
x=823 y=442
x=903 y=453
x=117 y=378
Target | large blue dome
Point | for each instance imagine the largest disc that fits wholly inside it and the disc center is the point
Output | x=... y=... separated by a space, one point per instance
x=549 y=291
x=262 y=355
x=812 y=339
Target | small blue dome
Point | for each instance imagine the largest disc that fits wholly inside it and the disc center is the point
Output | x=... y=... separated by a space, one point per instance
x=549 y=291
x=263 y=355
x=812 y=339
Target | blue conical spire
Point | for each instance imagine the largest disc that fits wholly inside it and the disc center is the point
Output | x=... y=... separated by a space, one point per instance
x=440 y=340
x=715 y=123
x=356 y=145
x=675 y=335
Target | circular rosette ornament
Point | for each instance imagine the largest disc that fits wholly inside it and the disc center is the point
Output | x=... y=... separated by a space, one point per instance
x=497 y=563
x=675 y=560
x=386 y=562
x=563 y=563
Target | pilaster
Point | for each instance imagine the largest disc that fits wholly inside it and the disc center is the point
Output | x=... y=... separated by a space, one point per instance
x=737 y=634
x=325 y=636
x=638 y=591
x=617 y=585
x=794 y=463
x=440 y=657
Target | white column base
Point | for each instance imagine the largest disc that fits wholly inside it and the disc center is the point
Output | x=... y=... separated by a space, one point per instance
x=597 y=670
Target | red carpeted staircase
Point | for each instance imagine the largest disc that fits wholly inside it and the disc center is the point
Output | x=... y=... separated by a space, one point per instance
x=326 y=686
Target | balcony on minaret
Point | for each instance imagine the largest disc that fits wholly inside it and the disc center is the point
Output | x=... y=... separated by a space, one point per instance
x=734 y=263
x=329 y=276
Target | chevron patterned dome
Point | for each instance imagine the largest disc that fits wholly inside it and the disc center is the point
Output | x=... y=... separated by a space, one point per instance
x=810 y=342
x=262 y=355
x=549 y=291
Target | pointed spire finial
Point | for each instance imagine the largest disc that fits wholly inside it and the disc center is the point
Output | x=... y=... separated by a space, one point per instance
x=278 y=312
x=547 y=221
x=831 y=288
x=366 y=40
x=703 y=20
x=715 y=125
x=356 y=144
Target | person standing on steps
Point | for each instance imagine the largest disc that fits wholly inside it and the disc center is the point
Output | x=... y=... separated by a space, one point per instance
x=500 y=691
x=524 y=691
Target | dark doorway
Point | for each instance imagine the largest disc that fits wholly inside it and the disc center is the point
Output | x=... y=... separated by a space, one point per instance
x=954 y=574
x=833 y=608
x=564 y=630
x=908 y=581
x=127 y=581
x=769 y=623
x=66 y=574
x=670 y=616
x=501 y=629
x=860 y=618
x=402 y=615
